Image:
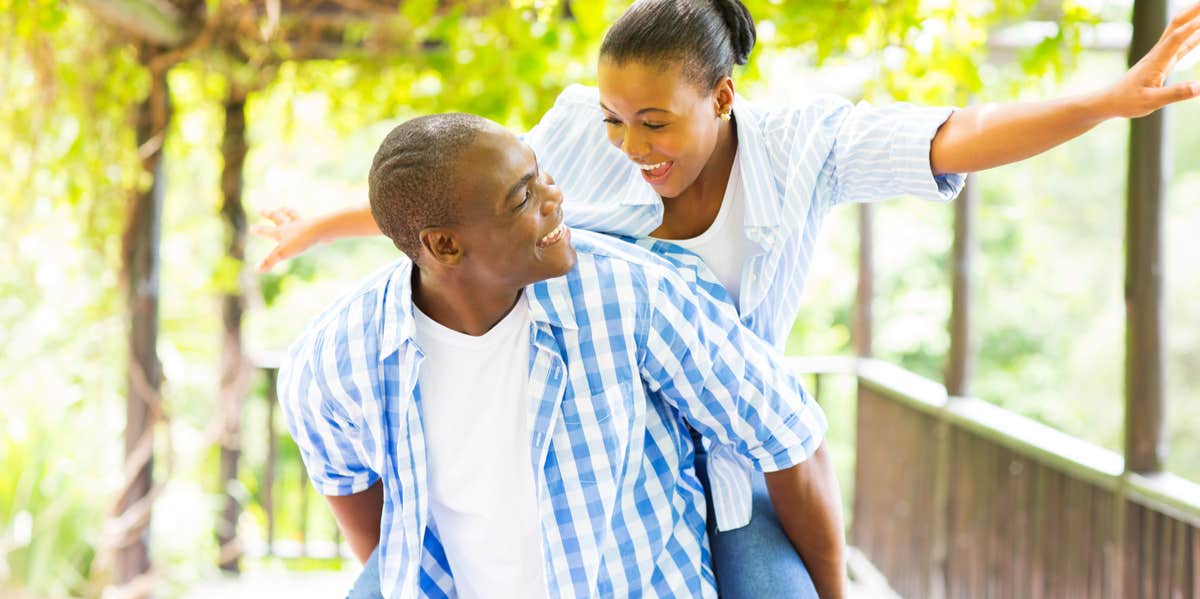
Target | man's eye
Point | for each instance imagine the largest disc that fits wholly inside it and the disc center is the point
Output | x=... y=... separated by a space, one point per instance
x=528 y=196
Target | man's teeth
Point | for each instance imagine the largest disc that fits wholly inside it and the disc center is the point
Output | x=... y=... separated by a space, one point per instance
x=650 y=167
x=554 y=236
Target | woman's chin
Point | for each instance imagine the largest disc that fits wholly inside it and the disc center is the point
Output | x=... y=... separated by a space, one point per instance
x=667 y=189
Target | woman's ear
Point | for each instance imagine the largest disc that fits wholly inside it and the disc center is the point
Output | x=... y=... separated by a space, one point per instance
x=723 y=95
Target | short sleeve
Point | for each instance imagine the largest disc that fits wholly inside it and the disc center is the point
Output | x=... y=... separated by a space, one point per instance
x=730 y=385
x=323 y=389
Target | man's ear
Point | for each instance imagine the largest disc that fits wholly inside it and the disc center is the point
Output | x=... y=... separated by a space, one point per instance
x=441 y=245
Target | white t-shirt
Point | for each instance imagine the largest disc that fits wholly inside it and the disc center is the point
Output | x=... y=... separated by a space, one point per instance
x=724 y=246
x=474 y=411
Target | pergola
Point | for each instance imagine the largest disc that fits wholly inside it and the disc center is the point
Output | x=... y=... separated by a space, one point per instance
x=959 y=457
x=256 y=36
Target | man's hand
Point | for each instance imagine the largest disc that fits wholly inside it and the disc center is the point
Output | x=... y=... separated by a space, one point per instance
x=808 y=504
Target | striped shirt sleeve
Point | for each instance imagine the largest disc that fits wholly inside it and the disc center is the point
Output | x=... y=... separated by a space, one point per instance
x=729 y=384
x=882 y=152
x=323 y=385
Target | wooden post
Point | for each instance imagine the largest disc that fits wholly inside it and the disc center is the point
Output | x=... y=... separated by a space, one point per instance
x=861 y=331
x=304 y=490
x=234 y=369
x=140 y=274
x=961 y=362
x=272 y=459
x=1145 y=444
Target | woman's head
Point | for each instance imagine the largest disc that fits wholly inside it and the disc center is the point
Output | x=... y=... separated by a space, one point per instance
x=664 y=73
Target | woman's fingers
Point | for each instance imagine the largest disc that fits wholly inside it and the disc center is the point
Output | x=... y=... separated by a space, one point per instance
x=268 y=232
x=270 y=260
x=1178 y=92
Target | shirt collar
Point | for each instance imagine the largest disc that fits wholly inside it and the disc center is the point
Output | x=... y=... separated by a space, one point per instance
x=761 y=200
x=398 y=324
x=550 y=302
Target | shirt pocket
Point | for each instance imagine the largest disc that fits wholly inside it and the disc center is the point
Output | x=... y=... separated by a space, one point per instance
x=595 y=432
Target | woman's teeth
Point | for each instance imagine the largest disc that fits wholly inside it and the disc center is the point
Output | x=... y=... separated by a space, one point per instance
x=554 y=236
x=656 y=171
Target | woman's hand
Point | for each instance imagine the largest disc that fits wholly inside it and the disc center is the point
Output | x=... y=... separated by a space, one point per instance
x=292 y=235
x=1142 y=91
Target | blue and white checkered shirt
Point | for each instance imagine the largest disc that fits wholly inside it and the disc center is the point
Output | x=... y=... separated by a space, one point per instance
x=624 y=355
x=797 y=161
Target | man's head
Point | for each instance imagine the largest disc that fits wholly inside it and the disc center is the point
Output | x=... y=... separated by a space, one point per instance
x=459 y=191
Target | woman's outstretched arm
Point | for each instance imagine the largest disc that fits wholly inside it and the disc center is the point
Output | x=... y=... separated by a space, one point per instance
x=293 y=235
x=989 y=135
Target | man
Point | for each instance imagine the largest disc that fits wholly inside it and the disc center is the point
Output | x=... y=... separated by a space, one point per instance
x=506 y=414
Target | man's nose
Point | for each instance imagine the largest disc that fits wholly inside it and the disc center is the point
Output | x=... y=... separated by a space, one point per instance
x=553 y=198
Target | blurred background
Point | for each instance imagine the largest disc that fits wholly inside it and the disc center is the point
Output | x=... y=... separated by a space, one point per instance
x=318 y=84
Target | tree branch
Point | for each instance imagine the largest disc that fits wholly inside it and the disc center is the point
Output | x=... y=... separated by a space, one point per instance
x=154 y=21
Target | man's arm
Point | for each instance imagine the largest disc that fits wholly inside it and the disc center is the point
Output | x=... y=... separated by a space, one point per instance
x=358 y=516
x=735 y=389
x=982 y=137
x=323 y=409
x=808 y=503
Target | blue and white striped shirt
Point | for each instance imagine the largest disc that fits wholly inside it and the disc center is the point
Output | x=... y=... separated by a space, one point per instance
x=796 y=163
x=624 y=355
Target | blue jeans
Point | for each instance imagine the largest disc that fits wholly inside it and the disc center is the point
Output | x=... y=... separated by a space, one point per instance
x=756 y=561
x=753 y=562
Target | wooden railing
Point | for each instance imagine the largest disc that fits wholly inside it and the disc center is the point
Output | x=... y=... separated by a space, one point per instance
x=300 y=544
x=956 y=497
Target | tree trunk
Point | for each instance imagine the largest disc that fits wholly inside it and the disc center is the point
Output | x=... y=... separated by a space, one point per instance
x=140 y=267
x=234 y=369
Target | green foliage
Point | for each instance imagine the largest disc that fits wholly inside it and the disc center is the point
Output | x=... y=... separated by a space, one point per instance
x=64 y=122
x=71 y=163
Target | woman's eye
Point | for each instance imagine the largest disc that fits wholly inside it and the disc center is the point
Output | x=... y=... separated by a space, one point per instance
x=654 y=126
x=611 y=121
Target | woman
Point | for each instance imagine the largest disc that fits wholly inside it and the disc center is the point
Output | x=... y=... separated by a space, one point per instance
x=663 y=149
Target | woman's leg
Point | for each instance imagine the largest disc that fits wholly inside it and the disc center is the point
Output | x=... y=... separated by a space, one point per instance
x=756 y=561
x=367 y=585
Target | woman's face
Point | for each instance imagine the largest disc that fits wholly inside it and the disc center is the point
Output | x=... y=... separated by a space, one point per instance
x=662 y=121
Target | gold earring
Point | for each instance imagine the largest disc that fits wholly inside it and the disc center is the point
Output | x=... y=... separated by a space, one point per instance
x=725 y=116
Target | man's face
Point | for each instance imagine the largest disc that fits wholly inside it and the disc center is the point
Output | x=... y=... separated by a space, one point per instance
x=512 y=230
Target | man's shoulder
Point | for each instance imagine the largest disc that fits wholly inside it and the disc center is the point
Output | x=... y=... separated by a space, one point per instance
x=602 y=249
x=357 y=317
x=609 y=270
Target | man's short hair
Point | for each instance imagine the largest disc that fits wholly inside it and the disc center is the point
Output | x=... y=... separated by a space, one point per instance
x=415 y=175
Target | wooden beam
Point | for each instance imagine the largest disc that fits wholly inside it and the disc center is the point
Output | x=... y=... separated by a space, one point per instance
x=865 y=295
x=961 y=362
x=1145 y=443
x=153 y=21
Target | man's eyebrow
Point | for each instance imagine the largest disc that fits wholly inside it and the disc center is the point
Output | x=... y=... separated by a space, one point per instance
x=518 y=185
x=642 y=111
